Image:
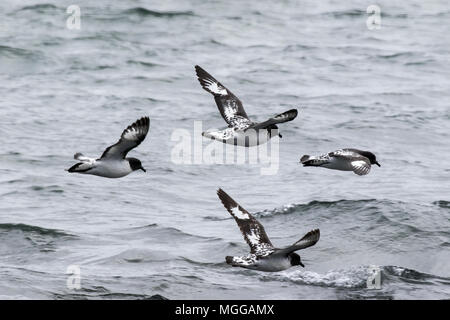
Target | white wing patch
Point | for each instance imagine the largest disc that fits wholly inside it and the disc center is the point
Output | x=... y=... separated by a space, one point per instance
x=214 y=87
x=240 y=214
x=132 y=134
x=253 y=238
x=360 y=167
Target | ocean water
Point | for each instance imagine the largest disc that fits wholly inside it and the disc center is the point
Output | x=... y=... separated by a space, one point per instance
x=164 y=233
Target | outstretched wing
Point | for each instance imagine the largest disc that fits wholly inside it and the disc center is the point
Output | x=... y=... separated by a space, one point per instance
x=251 y=229
x=308 y=240
x=280 y=118
x=345 y=153
x=229 y=105
x=131 y=138
x=361 y=166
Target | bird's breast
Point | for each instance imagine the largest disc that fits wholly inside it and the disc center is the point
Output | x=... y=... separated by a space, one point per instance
x=249 y=138
x=112 y=168
x=273 y=263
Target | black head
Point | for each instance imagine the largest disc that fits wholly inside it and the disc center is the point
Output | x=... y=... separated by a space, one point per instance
x=295 y=260
x=135 y=164
x=371 y=157
x=273 y=129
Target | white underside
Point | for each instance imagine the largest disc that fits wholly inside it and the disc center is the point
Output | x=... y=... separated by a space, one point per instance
x=249 y=138
x=271 y=263
x=109 y=168
x=339 y=164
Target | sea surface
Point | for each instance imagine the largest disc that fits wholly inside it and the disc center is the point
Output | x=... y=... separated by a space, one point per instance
x=164 y=233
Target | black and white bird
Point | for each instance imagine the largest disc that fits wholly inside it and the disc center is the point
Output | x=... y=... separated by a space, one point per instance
x=241 y=130
x=349 y=159
x=263 y=255
x=113 y=162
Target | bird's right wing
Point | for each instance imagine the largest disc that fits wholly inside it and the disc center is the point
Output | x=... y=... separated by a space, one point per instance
x=280 y=118
x=229 y=105
x=308 y=240
x=251 y=229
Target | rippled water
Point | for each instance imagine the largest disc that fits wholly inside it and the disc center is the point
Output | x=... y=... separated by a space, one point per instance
x=164 y=233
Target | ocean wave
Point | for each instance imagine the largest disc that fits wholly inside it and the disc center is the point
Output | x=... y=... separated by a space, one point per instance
x=314 y=205
x=442 y=204
x=164 y=14
x=356 y=277
x=143 y=63
x=355 y=13
x=39 y=7
x=25 y=228
x=169 y=232
x=8 y=51
x=100 y=294
x=52 y=188
x=23 y=239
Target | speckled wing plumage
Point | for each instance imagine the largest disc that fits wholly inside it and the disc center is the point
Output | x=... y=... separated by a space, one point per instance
x=316 y=160
x=251 y=229
x=346 y=153
x=131 y=137
x=243 y=261
x=229 y=105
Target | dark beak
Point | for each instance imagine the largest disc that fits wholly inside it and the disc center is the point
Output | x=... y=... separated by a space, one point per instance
x=143 y=169
x=302 y=264
x=376 y=162
x=280 y=135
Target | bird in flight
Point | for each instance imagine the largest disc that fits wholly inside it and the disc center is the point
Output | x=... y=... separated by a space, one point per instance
x=240 y=130
x=349 y=159
x=263 y=255
x=113 y=162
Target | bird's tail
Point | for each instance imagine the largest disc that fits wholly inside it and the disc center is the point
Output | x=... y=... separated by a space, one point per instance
x=81 y=157
x=309 y=161
x=306 y=160
x=229 y=259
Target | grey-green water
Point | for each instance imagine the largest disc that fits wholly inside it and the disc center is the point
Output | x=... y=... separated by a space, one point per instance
x=165 y=232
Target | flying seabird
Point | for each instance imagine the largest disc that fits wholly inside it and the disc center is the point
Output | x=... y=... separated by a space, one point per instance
x=263 y=256
x=112 y=163
x=241 y=130
x=349 y=159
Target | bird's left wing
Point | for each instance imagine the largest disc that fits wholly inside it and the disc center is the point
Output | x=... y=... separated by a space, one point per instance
x=361 y=166
x=229 y=105
x=251 y=229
